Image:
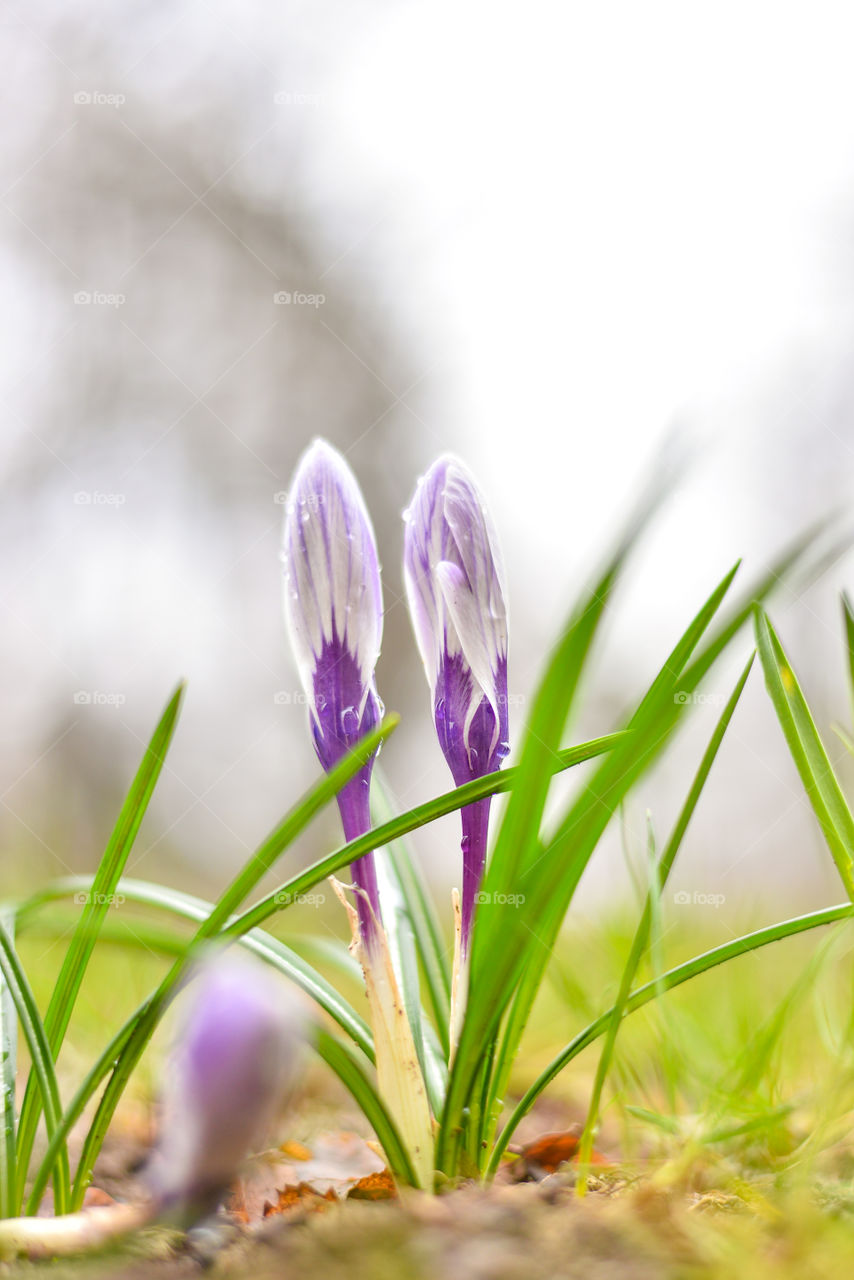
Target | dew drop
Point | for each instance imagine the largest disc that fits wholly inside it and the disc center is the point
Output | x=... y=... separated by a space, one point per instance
x=349 y=720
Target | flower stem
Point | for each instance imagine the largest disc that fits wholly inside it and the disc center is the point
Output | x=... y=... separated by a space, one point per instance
x=354 y=806
x=475 y=824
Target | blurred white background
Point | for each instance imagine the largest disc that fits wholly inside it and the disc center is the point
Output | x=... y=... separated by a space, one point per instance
x=542 y=237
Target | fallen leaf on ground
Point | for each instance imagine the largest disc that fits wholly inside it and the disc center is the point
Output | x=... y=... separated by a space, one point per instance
x=376 y=1186
x=95 y=1197
x=335 y=1162
x=300 y=1197
x=546 y=1153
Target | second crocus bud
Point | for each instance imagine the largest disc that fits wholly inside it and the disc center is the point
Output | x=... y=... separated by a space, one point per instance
x=455 y=588
x=334 y=614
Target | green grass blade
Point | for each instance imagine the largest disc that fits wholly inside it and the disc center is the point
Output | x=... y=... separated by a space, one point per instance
x=509 y=958
x=848 y=618
x=446 y=803
x=43 y=1066
x=641 y=938
x=185 y=906
x=8 y=1068
x=243 y=884
x=807 y=751
x=651 y=990
x=85 y=935
x=430 y=946
x=346 y=1066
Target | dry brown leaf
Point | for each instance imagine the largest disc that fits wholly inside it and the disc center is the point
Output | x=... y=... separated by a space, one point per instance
x=546 y=1153
x=334 y=1163
x=95 y=1197
x=302 y=1197
x=375 y=1186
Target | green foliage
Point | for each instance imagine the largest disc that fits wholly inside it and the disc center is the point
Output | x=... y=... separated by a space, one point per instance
x=530 y=883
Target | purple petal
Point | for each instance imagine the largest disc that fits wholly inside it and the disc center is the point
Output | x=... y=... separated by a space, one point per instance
x=454 y=580
x=332 y=577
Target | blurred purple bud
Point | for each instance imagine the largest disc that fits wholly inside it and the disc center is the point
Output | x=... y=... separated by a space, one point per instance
x=334 y=615
x=235 y=1057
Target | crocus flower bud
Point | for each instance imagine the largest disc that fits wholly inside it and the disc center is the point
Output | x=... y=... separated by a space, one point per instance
x=455 y=587
x=236 y=1055
x=334 y=613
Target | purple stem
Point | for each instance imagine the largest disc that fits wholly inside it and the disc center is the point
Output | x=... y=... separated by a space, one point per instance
x=355 y=808
x=475 y=824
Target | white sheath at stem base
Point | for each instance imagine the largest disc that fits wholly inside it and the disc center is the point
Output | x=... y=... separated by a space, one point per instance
x=399 y=1077
x=459 y=977
x=71 y=1232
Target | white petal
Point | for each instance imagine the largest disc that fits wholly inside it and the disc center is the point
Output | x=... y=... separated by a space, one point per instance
x=333 y=580
x=464 y=611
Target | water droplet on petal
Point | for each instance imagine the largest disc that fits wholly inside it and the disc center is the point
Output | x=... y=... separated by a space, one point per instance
x=349 y=720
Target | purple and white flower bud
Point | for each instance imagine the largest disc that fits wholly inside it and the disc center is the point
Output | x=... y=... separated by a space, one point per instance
x=334 y=614
x=455 y=587
x=236 y=1055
